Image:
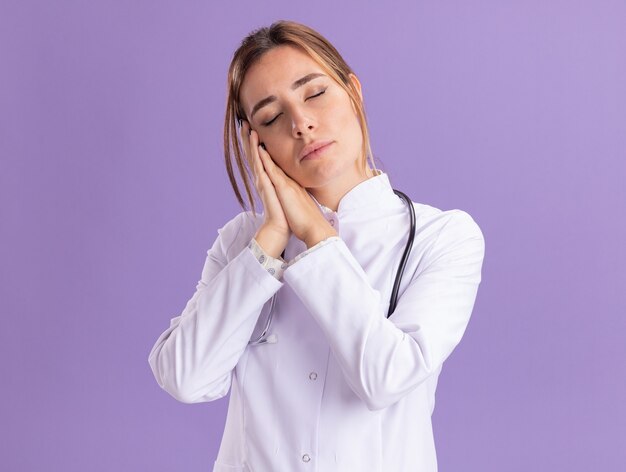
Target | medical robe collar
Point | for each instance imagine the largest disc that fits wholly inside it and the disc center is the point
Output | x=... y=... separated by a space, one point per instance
x=375 y=192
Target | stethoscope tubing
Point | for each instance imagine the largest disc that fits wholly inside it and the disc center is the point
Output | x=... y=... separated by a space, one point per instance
x=407 y=250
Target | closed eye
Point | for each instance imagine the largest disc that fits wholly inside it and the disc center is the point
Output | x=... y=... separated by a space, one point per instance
x=269 y=123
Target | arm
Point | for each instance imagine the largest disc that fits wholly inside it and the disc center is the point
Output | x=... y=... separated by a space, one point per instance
x=193 y=359
x=385 y=359
x=277 y=266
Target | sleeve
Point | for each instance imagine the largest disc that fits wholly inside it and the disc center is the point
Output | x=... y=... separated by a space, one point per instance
x=193 y=359
x=313 y=248
x=276 y=266
x=383 y=359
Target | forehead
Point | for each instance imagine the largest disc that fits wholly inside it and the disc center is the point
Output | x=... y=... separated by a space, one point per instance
x=275 y=71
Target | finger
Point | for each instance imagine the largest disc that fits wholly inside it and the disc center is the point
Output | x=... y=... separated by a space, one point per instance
x=261 y=175
x=244 y=134
x=253 y=146
x=273 y=170
x=266 y=161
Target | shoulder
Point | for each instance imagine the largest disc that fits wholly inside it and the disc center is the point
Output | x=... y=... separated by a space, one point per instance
x=452 y=233
x=454 y=223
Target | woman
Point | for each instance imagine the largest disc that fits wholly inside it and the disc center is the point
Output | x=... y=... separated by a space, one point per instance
x=333 y=384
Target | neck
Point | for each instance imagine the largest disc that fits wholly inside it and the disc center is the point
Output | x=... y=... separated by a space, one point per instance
x=330 y=195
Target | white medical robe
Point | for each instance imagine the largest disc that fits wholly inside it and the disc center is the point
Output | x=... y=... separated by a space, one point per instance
x=343 y=387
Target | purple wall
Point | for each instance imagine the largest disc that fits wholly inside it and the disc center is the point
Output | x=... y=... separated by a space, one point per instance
x=112 y=188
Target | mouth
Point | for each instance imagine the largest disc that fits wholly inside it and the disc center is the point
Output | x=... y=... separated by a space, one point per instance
x=314 y=150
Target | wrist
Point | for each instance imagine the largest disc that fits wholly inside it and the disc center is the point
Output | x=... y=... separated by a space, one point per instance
x=273 y=242
x=319 y=236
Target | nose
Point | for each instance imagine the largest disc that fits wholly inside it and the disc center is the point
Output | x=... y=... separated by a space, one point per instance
x=301 y=124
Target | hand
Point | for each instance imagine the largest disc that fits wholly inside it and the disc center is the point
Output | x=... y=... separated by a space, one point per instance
x=302 y=214
x=274 y=233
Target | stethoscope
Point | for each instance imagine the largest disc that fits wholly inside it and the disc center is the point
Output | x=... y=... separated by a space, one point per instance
x=264 y=339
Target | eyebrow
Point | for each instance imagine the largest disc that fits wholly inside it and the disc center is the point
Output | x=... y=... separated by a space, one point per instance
x=295 y=85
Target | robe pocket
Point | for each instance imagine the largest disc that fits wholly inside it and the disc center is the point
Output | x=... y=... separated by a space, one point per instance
x=221 y=467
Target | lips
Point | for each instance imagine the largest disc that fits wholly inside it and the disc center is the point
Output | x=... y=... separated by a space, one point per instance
x=309 y=148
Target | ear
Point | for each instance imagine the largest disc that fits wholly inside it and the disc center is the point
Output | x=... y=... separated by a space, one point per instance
x=357 y=84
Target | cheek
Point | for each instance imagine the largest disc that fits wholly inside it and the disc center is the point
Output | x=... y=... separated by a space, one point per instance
x=347 y=117
x=348 y=124
x=281 y=153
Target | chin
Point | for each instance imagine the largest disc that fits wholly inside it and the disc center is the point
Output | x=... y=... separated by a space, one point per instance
x=323 y=175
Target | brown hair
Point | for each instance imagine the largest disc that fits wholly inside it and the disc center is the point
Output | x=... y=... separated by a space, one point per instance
x=252 y=47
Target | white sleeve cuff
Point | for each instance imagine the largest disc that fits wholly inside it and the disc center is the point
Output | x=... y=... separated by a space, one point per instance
x=274 y=266
x=323 y=242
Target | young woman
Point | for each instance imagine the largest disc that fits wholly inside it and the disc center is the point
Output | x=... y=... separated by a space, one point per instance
x=291 y=312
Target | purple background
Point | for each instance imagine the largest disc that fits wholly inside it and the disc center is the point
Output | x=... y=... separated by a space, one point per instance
x=113 y=186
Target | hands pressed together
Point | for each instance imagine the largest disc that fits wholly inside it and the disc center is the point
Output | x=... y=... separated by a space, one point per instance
x=288 y=206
